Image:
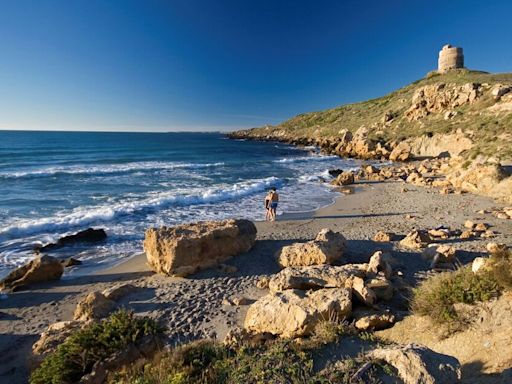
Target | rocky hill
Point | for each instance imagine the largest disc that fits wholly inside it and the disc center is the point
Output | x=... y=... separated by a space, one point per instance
x=460 y=112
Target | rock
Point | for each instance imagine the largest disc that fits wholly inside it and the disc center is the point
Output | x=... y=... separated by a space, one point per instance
x=90 y=235
x=54 y=336
x=439 y=253
x=361 y=292
x=327 y=247
x=419 y=365
x=439 y=233
x=345 y=178
x=378 y=264
x=238 y=337
x=494 y=248
x=500 y=90
x=315 y=277
x=118 y=291
x=295 y=313
x=481 y=227
x=241 y=300
x=335 y=172
x=375 y=322
x=402 y=152
x=383 y=237
x=416 y=240
x=382 y=287
x=70 y=262
x=184 y=249
x=466 y=235
x=479 y=264
x=41 y=269
x=263 y=282
x=94 y=306
x=370 y=169
x=488 y=234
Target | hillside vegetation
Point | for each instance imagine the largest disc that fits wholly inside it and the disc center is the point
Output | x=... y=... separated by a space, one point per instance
x=478 y=104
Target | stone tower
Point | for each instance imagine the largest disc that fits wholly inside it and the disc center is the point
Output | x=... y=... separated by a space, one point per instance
x=450 y=58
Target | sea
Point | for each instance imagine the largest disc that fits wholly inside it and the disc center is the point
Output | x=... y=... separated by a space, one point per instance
x=57 y=183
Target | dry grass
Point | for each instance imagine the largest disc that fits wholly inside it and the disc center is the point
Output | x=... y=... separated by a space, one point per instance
x=436 y=297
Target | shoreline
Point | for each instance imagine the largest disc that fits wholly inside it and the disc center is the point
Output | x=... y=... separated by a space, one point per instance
x=195 y=307
x=137 y=263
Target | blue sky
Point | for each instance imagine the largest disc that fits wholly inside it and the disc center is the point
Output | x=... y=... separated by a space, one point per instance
x=224 y=64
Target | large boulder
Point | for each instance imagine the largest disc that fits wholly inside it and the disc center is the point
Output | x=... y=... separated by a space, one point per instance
x=41 y=269
x=184 y=249
x=327 y=247
x=295 y=313
x=402 y=152
x=315 y=277
x=419 y=365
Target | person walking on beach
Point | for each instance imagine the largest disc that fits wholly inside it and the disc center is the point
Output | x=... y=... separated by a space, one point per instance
x=274 y=199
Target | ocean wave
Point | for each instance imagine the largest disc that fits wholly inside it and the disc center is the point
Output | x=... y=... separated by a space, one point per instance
x=87 y=216
x=306 y=158
x=107 y=169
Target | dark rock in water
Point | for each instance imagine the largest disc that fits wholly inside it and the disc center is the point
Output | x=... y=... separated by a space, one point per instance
x=335 y=172
x=41 y=269
x=70 y=262
x=90 y=235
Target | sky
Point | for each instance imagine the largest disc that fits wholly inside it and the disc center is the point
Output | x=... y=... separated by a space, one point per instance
x=155 y=65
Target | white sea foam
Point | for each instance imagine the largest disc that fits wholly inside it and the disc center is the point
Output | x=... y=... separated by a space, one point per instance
x=86 y=216
x=306 y=158
x=107 y=168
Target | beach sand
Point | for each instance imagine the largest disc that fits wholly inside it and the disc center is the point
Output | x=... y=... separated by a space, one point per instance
x=193 y=307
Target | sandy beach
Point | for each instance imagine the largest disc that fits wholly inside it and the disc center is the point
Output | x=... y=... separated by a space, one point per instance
x=197 y=307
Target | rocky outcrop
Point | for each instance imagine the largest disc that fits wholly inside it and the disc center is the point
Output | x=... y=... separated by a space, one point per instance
x=439 y=97
x=41 y=269
x=452 y=144
x=54 y=336
x=419 y=365
x=90 y=235
x=483 y=179
x=327 y=247
x=184 y=249
x=295 y=313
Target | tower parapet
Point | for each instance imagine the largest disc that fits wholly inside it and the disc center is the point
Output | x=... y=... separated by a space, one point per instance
x=450 y=58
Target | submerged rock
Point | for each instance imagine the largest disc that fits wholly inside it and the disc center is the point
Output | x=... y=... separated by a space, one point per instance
x=184 y=249
x=90 y=235
x=41 y=269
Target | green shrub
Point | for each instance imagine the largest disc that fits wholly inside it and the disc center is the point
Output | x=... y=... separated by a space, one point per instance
x=97 y=341
x=437 y=295
x=501 y=268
